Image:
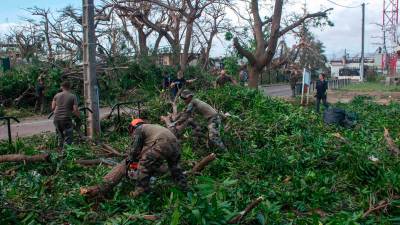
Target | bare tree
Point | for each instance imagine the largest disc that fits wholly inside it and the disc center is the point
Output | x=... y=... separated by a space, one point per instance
x=212 y=23
x=265 y=45
x=45 y=22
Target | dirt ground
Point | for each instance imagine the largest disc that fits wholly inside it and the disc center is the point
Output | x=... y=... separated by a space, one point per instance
x=383 y=98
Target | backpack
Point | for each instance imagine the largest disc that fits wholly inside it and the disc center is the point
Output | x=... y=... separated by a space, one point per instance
x=336 y=116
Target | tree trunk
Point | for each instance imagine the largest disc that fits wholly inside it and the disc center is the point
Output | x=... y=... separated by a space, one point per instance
x=50 y=56
x=176 y=53
x=109 y=181
x=188 y=38
x=157 y=44
x=254 y=76
x=142 y=43
x=24 y=158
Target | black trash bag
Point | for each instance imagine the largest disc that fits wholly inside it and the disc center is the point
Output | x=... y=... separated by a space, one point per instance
x=336 y=116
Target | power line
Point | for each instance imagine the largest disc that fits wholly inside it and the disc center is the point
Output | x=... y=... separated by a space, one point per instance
x=344 y=6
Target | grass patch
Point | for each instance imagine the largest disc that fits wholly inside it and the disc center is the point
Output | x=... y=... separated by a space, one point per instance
x=276 y=150
x=371 y=86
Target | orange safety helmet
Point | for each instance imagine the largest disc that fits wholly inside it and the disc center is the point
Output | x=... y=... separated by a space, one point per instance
x=136 y=122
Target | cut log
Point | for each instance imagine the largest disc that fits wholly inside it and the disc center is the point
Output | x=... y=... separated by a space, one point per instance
x=243 y=213
x=109 y=181
x=24 y=158
x=203 y=163
x=392 y=146
x=119 y=171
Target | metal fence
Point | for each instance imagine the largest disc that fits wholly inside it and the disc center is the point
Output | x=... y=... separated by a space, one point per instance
x=332 y=84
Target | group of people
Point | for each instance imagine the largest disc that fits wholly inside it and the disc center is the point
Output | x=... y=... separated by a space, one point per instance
x=153 y=144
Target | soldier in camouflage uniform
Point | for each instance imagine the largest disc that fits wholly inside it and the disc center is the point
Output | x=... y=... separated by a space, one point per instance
x=152 y=144
x=193 y=106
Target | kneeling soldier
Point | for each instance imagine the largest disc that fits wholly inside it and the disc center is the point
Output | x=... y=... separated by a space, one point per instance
x=152 y=144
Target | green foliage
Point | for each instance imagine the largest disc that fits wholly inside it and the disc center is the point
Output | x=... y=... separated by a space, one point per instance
x=276 y=150
x=231 y=65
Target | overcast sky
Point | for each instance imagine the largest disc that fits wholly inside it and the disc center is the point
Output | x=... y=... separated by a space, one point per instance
x=346 y=34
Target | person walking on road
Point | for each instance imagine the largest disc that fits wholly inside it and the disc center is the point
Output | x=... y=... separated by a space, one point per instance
x=322 y=87
x=152 y=145
x=64 y=105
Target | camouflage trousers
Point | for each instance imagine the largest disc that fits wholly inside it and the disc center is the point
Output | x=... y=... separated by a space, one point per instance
x=152 y=159
x=64 y=130
x=214 y=136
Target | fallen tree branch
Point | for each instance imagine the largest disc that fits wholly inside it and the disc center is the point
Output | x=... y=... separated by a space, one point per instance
x=144 y=217
x=109 y=181
x=24 y=158
x=118 y=172
x=392 y=146
x=382 y=204
x=111 y=150
x=94 y=162
x=243 y=213
x=29 y=91
x=341 y=138
x=198 y=167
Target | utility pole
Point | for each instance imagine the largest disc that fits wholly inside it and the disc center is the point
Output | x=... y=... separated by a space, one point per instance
x=362 y=43
x=91 y=89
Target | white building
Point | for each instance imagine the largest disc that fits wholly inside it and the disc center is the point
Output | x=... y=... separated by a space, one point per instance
x=350 y=67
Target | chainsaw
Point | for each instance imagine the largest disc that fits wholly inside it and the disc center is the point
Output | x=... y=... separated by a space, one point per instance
x=132 y=170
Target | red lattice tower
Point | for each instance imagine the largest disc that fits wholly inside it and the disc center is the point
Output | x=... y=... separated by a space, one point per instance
x=390 y=21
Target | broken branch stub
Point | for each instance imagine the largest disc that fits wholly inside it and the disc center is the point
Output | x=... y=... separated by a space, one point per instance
x=24 y=158
x=392 y=146
x=203 y=163
x=243 y=213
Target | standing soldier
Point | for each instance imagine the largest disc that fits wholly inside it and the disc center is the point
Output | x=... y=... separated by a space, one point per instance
x=64 y=105
x=194 y=105
x=39 y=91
x=322 y=87
x=224 y=79
x=152 y=144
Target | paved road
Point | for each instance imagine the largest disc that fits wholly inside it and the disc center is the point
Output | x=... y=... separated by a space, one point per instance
x=35 y=125
x=282 y=90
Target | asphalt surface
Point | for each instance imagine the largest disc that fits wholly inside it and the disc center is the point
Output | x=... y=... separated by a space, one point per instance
x=35 y=125
x=281 y=90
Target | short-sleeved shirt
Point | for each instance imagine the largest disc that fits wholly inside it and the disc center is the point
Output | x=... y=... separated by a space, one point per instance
x=222 y=80
x=65 y=102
